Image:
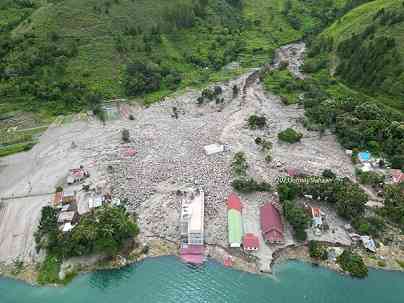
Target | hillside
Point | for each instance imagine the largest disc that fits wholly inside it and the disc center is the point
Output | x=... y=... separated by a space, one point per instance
x=367 y=50
x=62 y=56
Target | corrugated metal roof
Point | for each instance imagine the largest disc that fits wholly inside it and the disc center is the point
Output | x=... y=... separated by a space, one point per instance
x=235 y=228
x=271 y=223
x=234 y=202
x=250 y=241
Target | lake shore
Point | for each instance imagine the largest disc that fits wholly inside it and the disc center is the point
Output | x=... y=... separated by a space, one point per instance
x=158 y=247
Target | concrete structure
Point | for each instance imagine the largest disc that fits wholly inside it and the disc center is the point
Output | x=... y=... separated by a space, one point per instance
x=192 y=226
x=66 y=217
x=250 y=242
x=271 y=224
x=95 y=201
x=214 y=149
x=192 y=217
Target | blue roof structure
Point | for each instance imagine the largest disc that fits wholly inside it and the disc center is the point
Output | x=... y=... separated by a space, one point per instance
x=364 y=156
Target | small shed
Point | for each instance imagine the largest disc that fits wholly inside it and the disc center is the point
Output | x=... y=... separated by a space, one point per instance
x=250 y=242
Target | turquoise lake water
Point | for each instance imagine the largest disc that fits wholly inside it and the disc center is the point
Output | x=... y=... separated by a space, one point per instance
x=166 y=280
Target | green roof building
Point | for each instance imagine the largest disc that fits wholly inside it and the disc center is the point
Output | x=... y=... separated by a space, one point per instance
x=235 y=227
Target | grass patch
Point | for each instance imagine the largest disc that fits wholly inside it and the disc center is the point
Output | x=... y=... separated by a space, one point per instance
x=49 y=270
x=401 y=263
x=285 y=85
x=15 y=148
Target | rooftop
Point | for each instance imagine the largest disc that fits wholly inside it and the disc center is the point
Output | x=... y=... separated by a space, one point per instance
x=233 y=202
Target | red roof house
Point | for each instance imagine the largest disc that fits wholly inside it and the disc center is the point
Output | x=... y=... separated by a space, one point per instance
x=250 y=242
x=271 y=224
x=234 y=202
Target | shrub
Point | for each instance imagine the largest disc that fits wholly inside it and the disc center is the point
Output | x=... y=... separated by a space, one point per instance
x=353 y=264
x=297 y=218
x=249 y=185
x=317 y=250
x=290 y=135
x=255 y=122
x=239 y=164
x=381 y=263
x=328 y=173
x=125 y=135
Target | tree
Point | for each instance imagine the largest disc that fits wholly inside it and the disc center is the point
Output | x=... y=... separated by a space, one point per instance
x=255 y=122
x=297 y=218
x=353 y=264
x=317 y=250
x=125 y=135
x=290 y=135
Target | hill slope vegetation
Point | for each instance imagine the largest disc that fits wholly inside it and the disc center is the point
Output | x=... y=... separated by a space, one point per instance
x=62 y=56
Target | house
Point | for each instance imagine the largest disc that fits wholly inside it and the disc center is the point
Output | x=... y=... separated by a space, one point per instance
x=58 y=199
x=67 y=217
x=69 y=197
x=250 y=242
x=214 y=149
x=234 y=220
x=271 y=224
x=397 y=176
x=316 y=216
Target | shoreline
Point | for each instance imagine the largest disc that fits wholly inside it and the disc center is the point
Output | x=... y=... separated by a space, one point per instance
x=161 y=247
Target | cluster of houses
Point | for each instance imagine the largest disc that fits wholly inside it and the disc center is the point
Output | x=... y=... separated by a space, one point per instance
x=270 y=220
x=67 y=200
x=367 y=163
